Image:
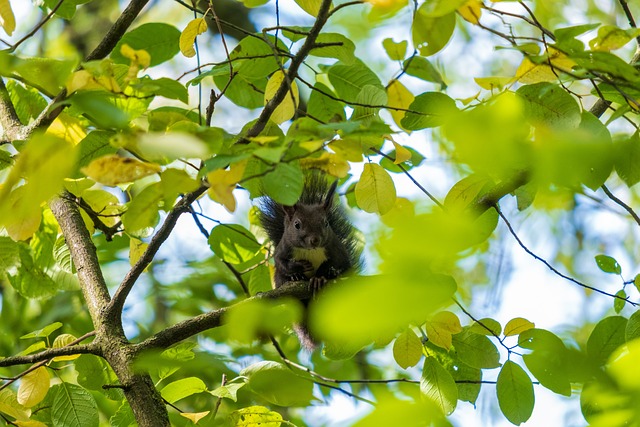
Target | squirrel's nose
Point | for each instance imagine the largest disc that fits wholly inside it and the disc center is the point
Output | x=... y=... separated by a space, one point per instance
x=314 y=241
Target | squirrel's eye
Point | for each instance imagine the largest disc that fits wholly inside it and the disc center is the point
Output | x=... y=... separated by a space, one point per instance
x=296 y=224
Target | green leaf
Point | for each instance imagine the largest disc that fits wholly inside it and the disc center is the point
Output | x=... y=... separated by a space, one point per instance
x=349 y=80
x=5 y=160
x=370 y=99
x=49 y=75
x=30 y=280
x=73 y=406
x=618 y=303
x=415 y=161
x=161 y=41
x=165 y=87
x=436 y=8
x=182 y=388
x=407 y=349
x=278 y=384
x=28 y=102
x=468 y=380
x=228 y=391
x=233 y=243
x=9 y=254
x=142 y=211
x=395 y=51
x=255 y=416
x=324 y=107
x=611 y=37
x=432 y=109
x=476 y=350
x=44 y=332
x=632 y=330
x=608 y=264
x=420 y=67
x=284 y=184
x=516 y=326
x=95 y=144
x=62 y=255
x=94 y=372
x=549 y=105
x=101 y=108
x=431 y=34
x=606 y=337
x=627 y=159
x=123 y=417
x=573 y=31
x=342 y=51
x=515 y=393
x=438 y=386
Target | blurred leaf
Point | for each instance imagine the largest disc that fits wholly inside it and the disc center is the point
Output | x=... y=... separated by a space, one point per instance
x=611 y=37
x=516 y=326
x=550 y=105
x=349 y=79
x=182 y=388
x=606 y=337
x=278 y=384
x=619 y=303
x=142 y=214
x=310 y=6
x=255 y=416
x=287 y=108
x=44 y=332
x=284 y=184
x=432 y=109
x=476 y=350
x=112 y=170
x=233 y=243
x=632 y=330
x=7 y=17
x=342 y=51
x=34 y=386
x=441 y=328
x=396 y=51
x=486 y=326
x=627 y=158
x=399 y=98
x=431 y=33
x=420 y=67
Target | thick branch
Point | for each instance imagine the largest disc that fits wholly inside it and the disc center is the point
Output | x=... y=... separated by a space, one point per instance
x=83 y=253
x=50 y=354
x=12 y=129
x=114 y=311
x=213 y=319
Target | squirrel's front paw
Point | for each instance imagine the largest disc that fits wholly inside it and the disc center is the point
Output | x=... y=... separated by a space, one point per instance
x=317 y=283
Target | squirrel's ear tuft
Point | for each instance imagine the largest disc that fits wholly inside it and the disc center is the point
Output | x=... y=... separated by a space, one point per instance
x=289 y=210
x=328 y=201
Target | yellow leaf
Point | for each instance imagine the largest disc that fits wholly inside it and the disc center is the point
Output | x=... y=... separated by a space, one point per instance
x=136 y=249
x=375 y=192
x=9 y=405
x=223 y=182
x=441 y=327
x=7 y=19
x=398 y=97
x=491 y=83
x=137 y=57
x=112 y=170
x=34 y=387
x=64 y=340
x=287 y=108
x=407 y=349
x=21 y=217
x=68 y=128
x=188 y=37
x=332 y=164
x=195 y=417
x=402 y=154
x=84 y=80
x=30 y=423
x=529 y=72
x=517 y=326
x=471 y=11
x=347 y=149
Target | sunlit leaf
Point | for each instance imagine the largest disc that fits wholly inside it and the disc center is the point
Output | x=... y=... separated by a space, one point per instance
x=73 y=406
x=431 y=33
x=182 y=388
x=438 y=386
x=375 y=192
x=287 y=108
x=611 y=37
x=399 y=98
x=34 y=386
x=278 y=384
x=233 y=243
x=515 y=393
x=516 y=326
x=441 y=327
x=188 y=36
x=255 y=416
x=608 y=264
x=44 y=332
x=486 y=326
x=64 y=340
x=194 y=417
x=161 y=41
x=471 y=11
x=112 y=170
x=7 y=18
x=407 y=349
x=395 y=50
x=606 y=337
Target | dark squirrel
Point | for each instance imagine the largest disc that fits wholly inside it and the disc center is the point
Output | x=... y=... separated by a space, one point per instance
x=314 y=240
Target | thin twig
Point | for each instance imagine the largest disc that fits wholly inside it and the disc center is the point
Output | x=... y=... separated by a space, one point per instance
x=37 y=27
x=622 y=204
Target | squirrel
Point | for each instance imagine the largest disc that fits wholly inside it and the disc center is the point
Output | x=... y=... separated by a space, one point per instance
x=314 y=240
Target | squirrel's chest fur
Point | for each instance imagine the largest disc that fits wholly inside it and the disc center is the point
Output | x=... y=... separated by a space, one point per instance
x=315 y=256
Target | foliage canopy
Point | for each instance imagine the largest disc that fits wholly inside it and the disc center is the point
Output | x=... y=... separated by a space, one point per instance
x=116 y=123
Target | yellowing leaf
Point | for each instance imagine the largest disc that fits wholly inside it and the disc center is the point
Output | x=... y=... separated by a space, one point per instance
x=255 y=416
x=64 y=340
x=491 y=83
x=223 y=182
x=195 y=417
x=30 y=423
x=136 y=249
x=84 y=80
x=398 y=96
x=112 y=170
x=402 y=154
x=188 y=37
x=516 y=326
x=9 y=405
x=441 y=328
x=331 y=163
x=7 y=19
x=529 y=72
x=138 y=57
x=611 y=37
x=21 y=218
x=348 y=150
x=471 y=11
x=375 y=192
x=34 y=387
x=407 y=349
x=287 y=108
x=68 y=128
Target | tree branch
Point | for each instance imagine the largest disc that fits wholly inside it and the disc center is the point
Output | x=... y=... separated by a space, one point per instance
x=83 y=253
x=12 y=129
x=278 y=97
x=50 y=354
x=213 y=319
x=622 y=204
x=114 y=310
